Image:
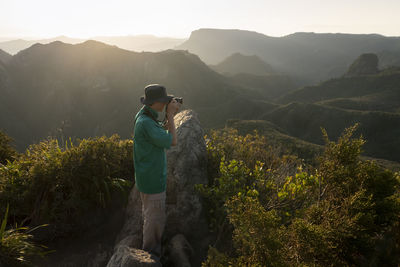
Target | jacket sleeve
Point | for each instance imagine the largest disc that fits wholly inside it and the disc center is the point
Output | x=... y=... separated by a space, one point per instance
x=156 y=134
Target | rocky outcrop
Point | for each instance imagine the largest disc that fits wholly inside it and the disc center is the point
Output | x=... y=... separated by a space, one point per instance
x=364 y=65
x=131 y=257
x=186 y=228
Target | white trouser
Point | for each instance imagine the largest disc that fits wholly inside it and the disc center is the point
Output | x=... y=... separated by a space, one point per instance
x=153 y=210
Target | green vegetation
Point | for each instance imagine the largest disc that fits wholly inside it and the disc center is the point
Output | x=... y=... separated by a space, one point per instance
x=50 y=185
x=7 y=151
x=375 y=89
x=269 y=209
x=364 y=65
x=275 y=135
x=16 y=246
x=303 y=120
x=68 y=188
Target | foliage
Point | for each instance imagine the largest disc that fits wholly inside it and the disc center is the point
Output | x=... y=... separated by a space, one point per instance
x=345 y=212
x=7 y=151
x=238 y=170
x=16 y=246
x=227 y=144
x=50 y=185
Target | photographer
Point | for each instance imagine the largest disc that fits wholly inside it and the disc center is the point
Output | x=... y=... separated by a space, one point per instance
x=149 y=157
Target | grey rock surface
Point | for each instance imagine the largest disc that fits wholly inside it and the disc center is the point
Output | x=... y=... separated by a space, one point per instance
x=125 y=256
x=187 y=166
x=180 y=251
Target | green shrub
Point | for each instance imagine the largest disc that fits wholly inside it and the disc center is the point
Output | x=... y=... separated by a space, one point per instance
x=50 y=185
x=7 y=151
x=240 y=170
x=345 y=212
x=16 y=245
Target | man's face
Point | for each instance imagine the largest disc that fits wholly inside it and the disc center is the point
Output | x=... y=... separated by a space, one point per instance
x=159 y=106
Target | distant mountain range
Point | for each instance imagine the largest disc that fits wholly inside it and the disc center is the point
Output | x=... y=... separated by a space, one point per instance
x=313 y=57
x=91 y=88
x=135 y=43
x=373 y=100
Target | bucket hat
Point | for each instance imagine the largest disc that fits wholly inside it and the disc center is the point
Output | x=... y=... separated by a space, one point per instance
x=155 y=93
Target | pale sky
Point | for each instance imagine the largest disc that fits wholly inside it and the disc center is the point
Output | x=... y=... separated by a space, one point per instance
x=178 y=18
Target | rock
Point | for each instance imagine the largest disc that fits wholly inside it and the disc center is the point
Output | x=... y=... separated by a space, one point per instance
x=187 y=166
x=180 y=251
x=131 y=233
x=364 y=65
x=131 y=257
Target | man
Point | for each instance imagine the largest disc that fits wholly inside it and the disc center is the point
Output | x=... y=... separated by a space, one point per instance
x=150 y=142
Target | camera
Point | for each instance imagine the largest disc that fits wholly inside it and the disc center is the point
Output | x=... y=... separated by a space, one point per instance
x=177 y=99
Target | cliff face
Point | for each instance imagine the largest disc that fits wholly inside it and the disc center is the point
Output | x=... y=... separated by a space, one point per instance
x=186 y=231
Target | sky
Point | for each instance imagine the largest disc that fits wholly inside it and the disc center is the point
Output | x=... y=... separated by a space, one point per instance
x=178 y=18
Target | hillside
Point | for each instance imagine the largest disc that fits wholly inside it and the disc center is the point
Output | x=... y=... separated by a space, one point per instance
x=303 y=120
x=276 y=135
x=269 y=86
x=379 y=92
x=292 y=145
x=238 y=63
x=311 y=56
x=4 y=56
x=91 y=88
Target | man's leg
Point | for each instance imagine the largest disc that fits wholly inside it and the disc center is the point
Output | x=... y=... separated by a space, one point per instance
x=153 y=208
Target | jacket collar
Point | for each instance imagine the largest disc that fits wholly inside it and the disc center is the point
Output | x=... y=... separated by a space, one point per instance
x=152 y=111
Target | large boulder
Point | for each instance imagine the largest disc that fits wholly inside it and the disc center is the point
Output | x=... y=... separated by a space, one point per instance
x=364 y=65
x=186 y=224
x=131 y=257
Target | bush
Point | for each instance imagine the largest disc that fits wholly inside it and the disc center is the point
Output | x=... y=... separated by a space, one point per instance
x=345 y=212
x=7 y=152
x=240 y=171
x=50 y=185
x=16 y=246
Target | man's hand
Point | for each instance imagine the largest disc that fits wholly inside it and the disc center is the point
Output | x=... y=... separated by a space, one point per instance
x=173 y=108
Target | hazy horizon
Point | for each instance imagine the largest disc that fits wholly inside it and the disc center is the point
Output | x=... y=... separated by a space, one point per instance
x=177 y=19
x=32 y=38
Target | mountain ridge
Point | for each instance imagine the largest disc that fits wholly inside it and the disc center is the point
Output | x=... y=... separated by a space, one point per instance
x=92 y=88
x=312 y=56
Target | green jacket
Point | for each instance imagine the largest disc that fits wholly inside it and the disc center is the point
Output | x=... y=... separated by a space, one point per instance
x=149 y=158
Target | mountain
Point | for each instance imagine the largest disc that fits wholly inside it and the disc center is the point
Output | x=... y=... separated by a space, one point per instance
x=238 y=63
x=276 y=135
x=313 y=57
x=364 y=65
x=364 y=94
x=304 y=121
x=379 y=92
x=4 y=56
x=140 y=43
x=91 y=88
x=293 y=145
x=14 y=46
x=135 y=43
